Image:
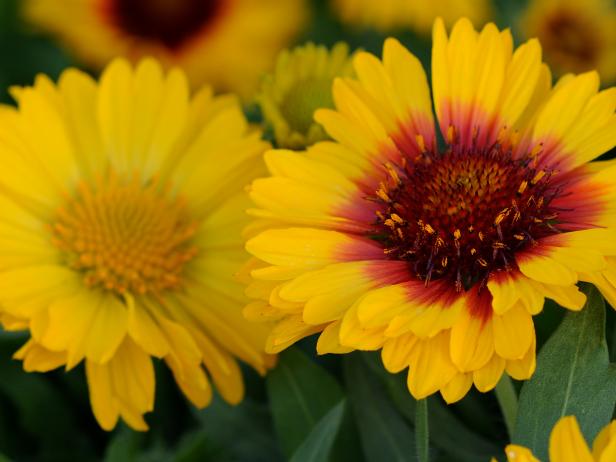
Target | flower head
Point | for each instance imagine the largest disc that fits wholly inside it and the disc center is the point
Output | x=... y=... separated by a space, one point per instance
x=387 y=15
x=577 y=36
x=300 y=84
x=567 y=445
x=122 y=215
x=440 y=253
x=205 y=38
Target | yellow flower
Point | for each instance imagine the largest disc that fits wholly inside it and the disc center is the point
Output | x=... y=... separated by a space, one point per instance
x=419 y=15
x=577 y=35
x=300 y=84
x=440 y=255
x=226 y=43
x=120 y=231
x=567 y=445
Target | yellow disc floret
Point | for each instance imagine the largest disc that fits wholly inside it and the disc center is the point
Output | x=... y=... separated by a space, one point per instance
x=126 y=237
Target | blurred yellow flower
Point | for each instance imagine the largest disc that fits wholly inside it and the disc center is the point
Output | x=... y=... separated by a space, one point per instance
x=567 y=445
x=122 y=212
x=576 y=35
x=386 y=15
x=300 y=84
x=226 y=43
x=439 y=254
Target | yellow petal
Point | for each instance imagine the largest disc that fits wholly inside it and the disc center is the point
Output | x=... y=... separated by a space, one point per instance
x=222 y=367
x=521 y=78
x=507 y=288
x=288 y=331
x=396 y=352
x=309 y=248
x=564 y=106
x=524 y=368
x=354 y=334
x=79 y=92
x=115 y=113
x=39 y=359
x=431 y=367
x=411 y=87
x=329 y=340
x=543 y=268
x=124 y=386
x=457 y=388
x=487 y=377
x=472 y=342
x=604 y=446
x=91 y=324
x=517 y=453
x=329 y=292
x=513 y=332
x=567 y=443
x=568 y=297
x=144 y=330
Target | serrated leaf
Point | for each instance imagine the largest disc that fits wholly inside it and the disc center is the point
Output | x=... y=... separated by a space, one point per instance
x=317 y=446
x=300 y=393
x=573 y=377
x=385 y=435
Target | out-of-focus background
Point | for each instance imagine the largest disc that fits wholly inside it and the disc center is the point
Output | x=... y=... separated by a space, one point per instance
x=232 y=44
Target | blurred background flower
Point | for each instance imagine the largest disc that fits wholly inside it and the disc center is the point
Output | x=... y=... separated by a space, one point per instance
x=419 y=15
x=226 y=43
x=300 y=84
x=576 y=35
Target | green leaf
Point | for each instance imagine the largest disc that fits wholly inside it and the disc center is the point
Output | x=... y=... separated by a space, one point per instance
x=573 y=377
x=317 y=446
x=44 y=410
x=221 y=423
x=385 y=435
x=449 y=433
x=124 y=445
x=300 y=393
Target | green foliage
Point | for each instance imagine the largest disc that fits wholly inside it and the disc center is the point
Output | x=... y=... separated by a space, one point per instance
x=318 y=445
x=573 y=377
x=457 y=441
x=300 y=394
x=384 y=433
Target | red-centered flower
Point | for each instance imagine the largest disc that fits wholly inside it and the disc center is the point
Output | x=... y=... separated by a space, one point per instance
x=438 y=252
x=225 y=43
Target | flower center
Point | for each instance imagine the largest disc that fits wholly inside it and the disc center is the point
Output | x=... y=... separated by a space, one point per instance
x=463 y=214
x=125 y=237
x=303 y=99
x=570 y=41
x=171 y=22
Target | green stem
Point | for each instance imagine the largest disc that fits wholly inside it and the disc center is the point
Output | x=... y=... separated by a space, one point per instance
x=422 y=430
x=508 y=401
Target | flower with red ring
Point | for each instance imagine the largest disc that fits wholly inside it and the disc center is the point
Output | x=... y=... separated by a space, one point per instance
x=438 y=250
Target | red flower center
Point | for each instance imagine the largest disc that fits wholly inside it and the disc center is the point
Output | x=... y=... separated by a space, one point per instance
x=464 y=213
x=170 y=22
x=570 y=40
